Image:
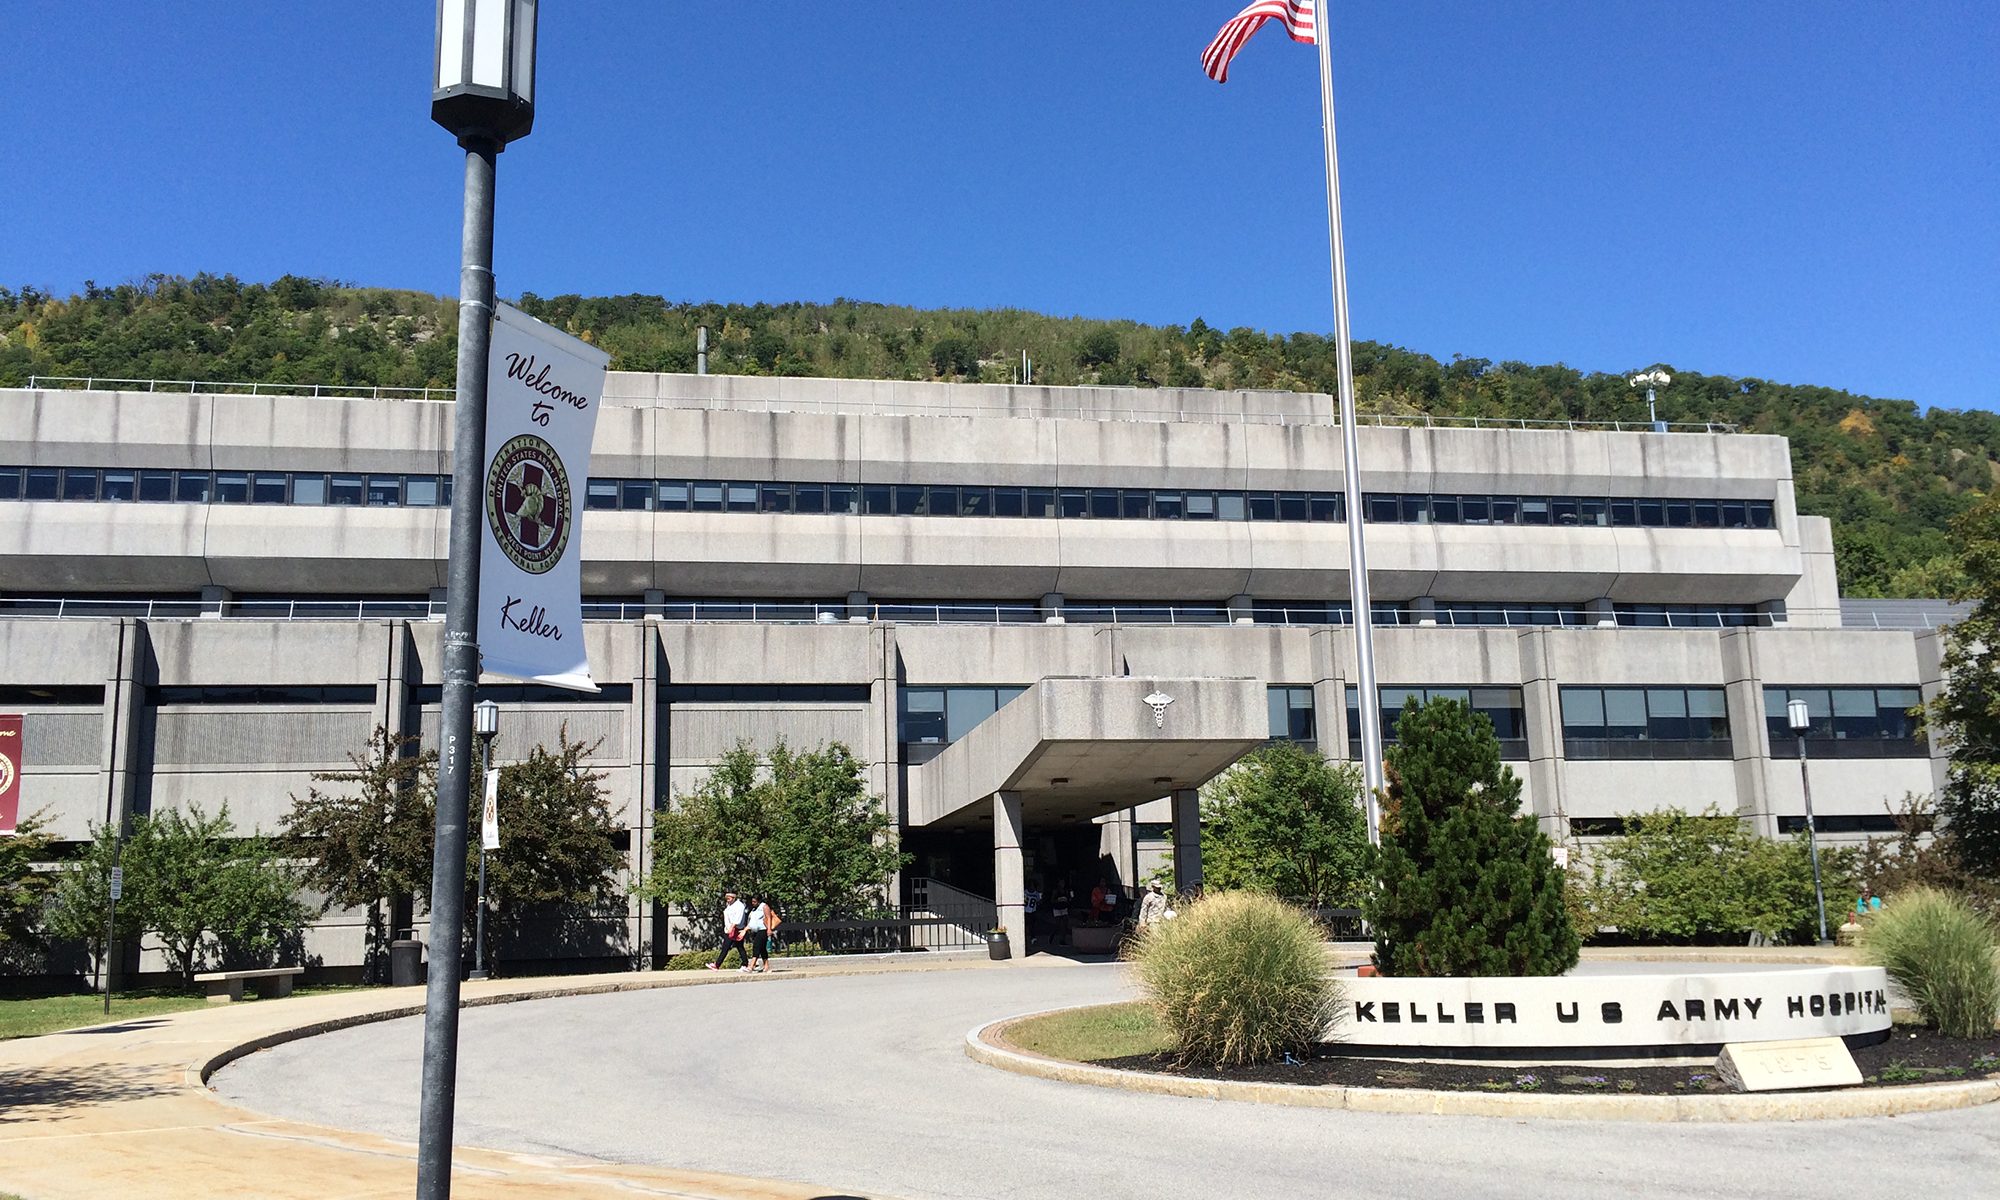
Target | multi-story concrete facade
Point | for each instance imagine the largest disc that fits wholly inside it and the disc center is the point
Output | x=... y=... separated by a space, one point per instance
x=210 y=597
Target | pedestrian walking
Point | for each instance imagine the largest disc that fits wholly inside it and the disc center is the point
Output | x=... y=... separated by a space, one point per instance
x=763 y=920
x=1153 y=909
x=734 y=916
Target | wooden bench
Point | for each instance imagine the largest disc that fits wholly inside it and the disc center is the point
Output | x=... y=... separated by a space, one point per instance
x=270 y=982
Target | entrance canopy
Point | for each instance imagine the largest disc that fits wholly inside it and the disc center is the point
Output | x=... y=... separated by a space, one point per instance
x=1076 y=748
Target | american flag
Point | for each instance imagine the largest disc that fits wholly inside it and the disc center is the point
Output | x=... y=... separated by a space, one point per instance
x=1296 y=14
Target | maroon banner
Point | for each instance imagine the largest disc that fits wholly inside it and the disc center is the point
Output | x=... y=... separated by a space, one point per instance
x=10 y=772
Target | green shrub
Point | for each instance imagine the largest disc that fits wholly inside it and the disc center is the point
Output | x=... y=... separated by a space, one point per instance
x=1678 y=876
x=1942 y=953
x=1236 y=978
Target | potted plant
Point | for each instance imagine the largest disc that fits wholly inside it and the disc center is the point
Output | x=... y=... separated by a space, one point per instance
x=997 y=947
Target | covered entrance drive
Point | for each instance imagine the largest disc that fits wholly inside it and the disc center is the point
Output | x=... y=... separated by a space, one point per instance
x=1068 y=750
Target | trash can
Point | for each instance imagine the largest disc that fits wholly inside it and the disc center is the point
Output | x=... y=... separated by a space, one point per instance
x=406 y=962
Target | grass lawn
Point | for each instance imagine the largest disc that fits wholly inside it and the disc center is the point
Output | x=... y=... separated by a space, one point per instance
x=48 y=1014
x=1090 y=1034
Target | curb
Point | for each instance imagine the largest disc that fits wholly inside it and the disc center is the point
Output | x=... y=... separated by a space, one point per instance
x=987 y=1045
x=197 y=1073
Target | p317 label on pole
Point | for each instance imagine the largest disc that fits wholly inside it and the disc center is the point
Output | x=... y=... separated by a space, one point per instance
x=542 y=394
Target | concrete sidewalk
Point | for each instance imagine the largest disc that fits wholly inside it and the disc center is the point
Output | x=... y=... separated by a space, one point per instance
x=123 y=1110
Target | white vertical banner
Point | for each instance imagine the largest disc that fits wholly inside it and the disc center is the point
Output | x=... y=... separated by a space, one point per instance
x=489 y=813
x=542 y=391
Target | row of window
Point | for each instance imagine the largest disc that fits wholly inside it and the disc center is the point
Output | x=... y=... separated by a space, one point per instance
x=263 y=694
x=1598 y=722
x=1847 y=722
x=1632 y=722
x=939 y=716
x=1500 y=705
x=1856 y=823
x=1448 y=614
x=881 y=499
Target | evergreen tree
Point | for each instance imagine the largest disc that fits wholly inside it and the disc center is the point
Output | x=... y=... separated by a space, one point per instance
x=1467 y=884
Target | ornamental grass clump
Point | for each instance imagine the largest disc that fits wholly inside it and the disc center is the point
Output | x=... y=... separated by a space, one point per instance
x=1237 y=977
x=1941 y=953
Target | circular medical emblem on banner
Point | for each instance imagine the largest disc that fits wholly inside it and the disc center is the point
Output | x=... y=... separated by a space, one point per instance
x=527 y=503
x=6 y=774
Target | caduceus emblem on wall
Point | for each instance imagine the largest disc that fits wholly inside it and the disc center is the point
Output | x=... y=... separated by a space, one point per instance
x=1158 y=701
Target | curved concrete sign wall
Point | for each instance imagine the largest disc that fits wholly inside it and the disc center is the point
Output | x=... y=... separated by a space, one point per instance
x=1670 y=1013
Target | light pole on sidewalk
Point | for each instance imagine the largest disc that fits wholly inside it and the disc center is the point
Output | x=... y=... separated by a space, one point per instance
x=483 y=91
x=1799 y=717
x=485 y=723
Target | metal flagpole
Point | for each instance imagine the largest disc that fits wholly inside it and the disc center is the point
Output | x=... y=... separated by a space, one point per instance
x=1357 y=552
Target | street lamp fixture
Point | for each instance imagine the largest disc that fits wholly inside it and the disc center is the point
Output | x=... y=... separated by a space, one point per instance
x=484 y=89
x=1650 y=380
x=486 y=720
x=1799 y=717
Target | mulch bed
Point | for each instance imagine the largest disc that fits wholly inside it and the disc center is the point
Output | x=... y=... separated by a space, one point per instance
x=1911 y=1055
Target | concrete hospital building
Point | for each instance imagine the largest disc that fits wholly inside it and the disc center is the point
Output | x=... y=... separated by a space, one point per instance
x=1042 y=616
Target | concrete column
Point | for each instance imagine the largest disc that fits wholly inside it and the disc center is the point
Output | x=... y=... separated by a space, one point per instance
x=392 y=686
x=1052 y=608
x=883 y=753
x=1187 y=839
x=437 y=599
x=1242 y=610
x=1010 y=883
x=213 y=598
x=648 y=940
x=1930 y=678
x=857 y=606
x=1424 y=610
x=1541 y=703
x=1743 y=691
x=121 y=761
x=1329 y=696
x=1774 y=614
x=124 y=711
x=655 y=600
x=1599 y=612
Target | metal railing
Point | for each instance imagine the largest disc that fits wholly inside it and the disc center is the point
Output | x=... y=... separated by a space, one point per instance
x=1427 y=421
x=217 y=387
x=1907 y=622
x=782 y=613
x=949 y=406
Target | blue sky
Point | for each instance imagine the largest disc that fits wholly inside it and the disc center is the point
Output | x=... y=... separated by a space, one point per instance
x=1796 y=191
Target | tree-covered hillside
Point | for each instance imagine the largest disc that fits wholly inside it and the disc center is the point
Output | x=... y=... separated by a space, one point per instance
x=1890 y=476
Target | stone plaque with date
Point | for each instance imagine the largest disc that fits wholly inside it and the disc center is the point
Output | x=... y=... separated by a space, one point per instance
x=1781 y=1066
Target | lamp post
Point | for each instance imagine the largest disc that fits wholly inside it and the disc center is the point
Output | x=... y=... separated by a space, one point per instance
x=485 y=723
x=1799 y=717
x=483 y=92
x=1651 y=379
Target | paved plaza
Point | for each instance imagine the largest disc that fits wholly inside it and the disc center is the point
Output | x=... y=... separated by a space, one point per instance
x=860 y=1083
